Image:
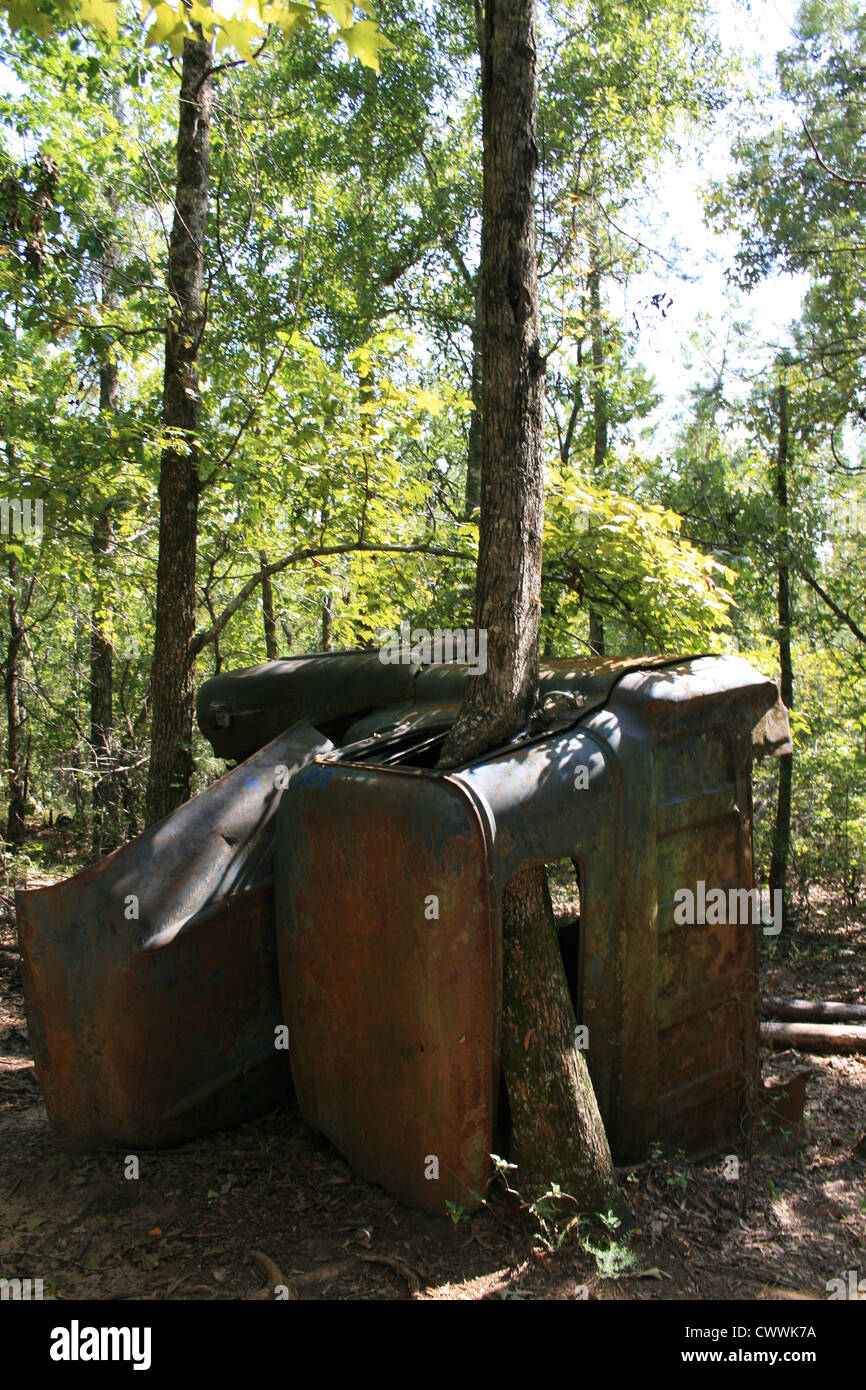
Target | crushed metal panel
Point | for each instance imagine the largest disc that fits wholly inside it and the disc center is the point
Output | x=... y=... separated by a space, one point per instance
x=150 y=978
x=239 y=711
x=393 y=1011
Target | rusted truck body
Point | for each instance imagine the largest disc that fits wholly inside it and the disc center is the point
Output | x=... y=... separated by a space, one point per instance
x=389 y=888
x=299 y=889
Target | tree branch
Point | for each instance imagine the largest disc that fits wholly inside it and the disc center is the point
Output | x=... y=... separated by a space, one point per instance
x=834 y=173
x=834 y=607
x=208 y=635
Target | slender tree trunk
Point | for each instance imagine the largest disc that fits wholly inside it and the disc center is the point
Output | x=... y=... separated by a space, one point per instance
x=13 y=679
x=782 y=829
x=173 y=660
x=104 y=827
x=106 y=796
x=599 y=408
x=558 y=1133
x=270 y=622
x=327 y=622
x=508 y=583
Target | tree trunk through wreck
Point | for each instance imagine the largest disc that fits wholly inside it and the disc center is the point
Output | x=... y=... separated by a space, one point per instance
x=558 y=1134
x=173 y=657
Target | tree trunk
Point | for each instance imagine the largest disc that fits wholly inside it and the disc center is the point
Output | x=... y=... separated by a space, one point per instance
x=13 y=673
x=173 y=659
x=596 y=632
x=813 y=1010
x=105 y=790
x=558 y=1133
x=599 y=409
x=327 y=622
x=782 y=829
x=815 y=1037
x=475 y=447
x=270 y=622
x=508 y=582
x=104 y=829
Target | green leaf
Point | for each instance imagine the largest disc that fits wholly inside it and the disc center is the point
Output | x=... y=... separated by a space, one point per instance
x=340 y=10
x=365 y=42
x=102 y=14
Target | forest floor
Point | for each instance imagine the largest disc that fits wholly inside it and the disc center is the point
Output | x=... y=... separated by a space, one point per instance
x=188 y=1227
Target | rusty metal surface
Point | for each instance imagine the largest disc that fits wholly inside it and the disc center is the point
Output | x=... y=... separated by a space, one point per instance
x=150 y=978
x=240 y=711
x=671 y=1011
x=389 y=967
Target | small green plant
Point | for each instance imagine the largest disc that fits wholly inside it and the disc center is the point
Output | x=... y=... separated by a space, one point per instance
x=459 y=1215
x=615 y=1261
x=609 y=1219
x=553 y=1218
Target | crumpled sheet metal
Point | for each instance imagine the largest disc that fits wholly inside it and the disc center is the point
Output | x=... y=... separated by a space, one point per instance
x=239 y=711
x=151 y=978
x=671 y=1011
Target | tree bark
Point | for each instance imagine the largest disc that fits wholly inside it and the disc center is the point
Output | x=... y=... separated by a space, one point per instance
x=508 y=582
x=327 y=622
x=475 y=446
x=268 y=618
x=816 y=1037
x=174 y=658
x=13 y=677
x=599 y=408
x=557 y=1129
x=106 y=797
x=558 y=1133
x=782 y=828
x=813 y=1010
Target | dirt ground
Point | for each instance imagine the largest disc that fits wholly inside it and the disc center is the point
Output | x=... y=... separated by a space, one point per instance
x=270 y=1204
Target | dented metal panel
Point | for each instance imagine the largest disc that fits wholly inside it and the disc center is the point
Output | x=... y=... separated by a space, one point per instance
x=389 y=965
x=240 y=711
x=150 y=978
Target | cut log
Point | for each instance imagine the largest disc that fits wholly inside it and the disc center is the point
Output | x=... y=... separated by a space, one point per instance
x=815 y=1037
x=813 y=1010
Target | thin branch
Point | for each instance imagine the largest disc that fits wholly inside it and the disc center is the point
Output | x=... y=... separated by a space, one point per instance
x=834 y=607
x=208 y=635
x=834 y=173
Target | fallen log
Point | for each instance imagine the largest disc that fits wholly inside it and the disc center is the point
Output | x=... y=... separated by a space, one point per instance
x=815 y=1037
x=813 y=1010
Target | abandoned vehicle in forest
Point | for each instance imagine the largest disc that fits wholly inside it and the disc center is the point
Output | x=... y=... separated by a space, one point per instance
x=336 y=883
